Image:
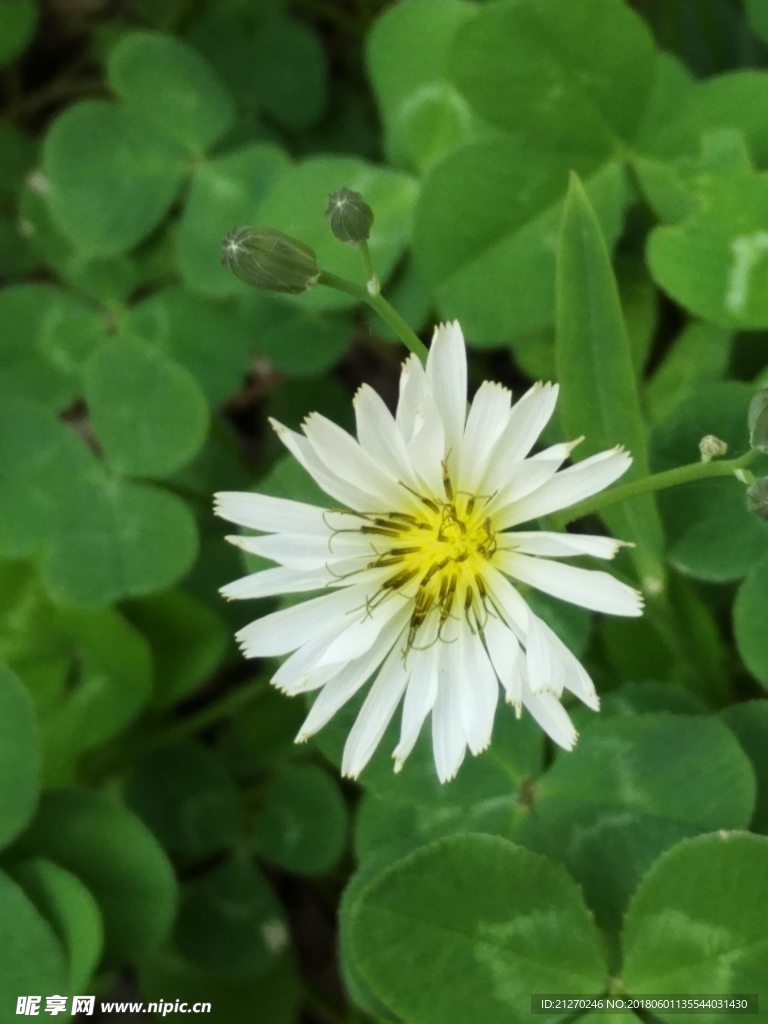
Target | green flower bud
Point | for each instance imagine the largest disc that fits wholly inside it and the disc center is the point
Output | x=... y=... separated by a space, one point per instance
x=757 y=498
x=349 y=216
x=757 y=418
x=268 y=259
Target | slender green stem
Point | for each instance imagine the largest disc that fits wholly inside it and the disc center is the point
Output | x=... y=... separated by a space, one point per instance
x=387 y=313
x=221 y=708
x=657 y=482
x=374 y=287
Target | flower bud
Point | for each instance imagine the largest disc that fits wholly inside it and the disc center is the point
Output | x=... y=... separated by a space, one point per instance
x=268 y=259
x=757 y=418
x=711 y=447
x=757 y=498
x=349 y=216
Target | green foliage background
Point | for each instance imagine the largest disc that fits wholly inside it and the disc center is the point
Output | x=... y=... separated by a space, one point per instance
x=161 y=836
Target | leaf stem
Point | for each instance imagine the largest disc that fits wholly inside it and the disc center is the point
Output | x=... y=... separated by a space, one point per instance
x=387 y=313
x=656 y=482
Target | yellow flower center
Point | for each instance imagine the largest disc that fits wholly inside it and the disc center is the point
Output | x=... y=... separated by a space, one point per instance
x=438 y=558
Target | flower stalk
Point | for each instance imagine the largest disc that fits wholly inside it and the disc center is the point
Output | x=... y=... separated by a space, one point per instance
x=656 y=482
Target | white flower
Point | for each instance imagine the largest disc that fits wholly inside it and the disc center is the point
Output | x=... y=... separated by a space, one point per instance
x=419 y=563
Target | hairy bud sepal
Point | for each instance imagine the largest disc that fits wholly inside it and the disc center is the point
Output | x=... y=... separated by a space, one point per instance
x=757 y=419
x=349 y=216
x=268 y=259
x=757 y=498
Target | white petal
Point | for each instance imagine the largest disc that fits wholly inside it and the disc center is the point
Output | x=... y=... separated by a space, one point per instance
x=307 y=552
x=561 y=545
x=342 y=455
x=447 y=380
x=544 y=668
x=344 y=686
x=338 y=487
x=478 y=691
x=289 y=628
x=507 y=600
x=552 y=717
x=506 y=656
x=273 y=515
x=487 y=418
x=420 y=693
x=413 y=384
x=586 y=587
x=575 y=676
x=526 y=421
x=380 y=439
x=519 y=479
x=571 y=485
x=321 y=672
x=375 y=715
x=426 y=449
x=358 y=637
x=279 y=580
x=298 y=674
x=449 y=742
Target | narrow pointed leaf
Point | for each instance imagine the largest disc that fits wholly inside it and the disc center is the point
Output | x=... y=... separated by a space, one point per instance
x=594 y=361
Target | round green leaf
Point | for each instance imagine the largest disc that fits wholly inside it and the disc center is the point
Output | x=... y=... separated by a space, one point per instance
x=734 y=100
x=488 y=214
x=148 y=413
x=697 y=925
x=107 y=686
x=170 y=86
x=716 y=262
x=31 y=644
x=749 y=620
x=386 y=830
x=750 y=723
x=185 y=796
x=229 y=919
x=115 y=857
x=711 y=534
x=358 y=991
x=300 y=342
x=33 y=961
x=494 y=922
x=295 y=205
x=112 y=179
x=408 y=58
x=48 y=334
x=524 y=67
x=108 y=280
x=18 y=21
x=40 y=459
x=71 y=911
x=212 y=340
x=19 y=757
x=188 y=641
x=632 y=787
x=274 y=64
x=224 y=194
x=302 y=823
x=699 y=355
x=114 y=539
